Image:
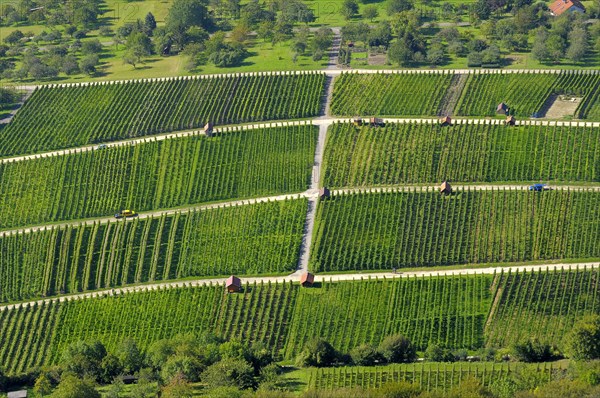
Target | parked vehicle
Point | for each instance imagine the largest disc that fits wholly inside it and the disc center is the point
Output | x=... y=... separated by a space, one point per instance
x=101 y=146
x=126 y=214
x=539 y=187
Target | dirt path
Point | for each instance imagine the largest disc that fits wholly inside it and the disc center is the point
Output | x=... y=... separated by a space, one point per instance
x=457 y=84
x=318 y=278
x=335 y=49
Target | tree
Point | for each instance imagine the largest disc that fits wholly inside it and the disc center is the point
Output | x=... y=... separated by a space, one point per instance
x=395 y=6
x=84 y=358
x=295 y=11
x=349 y=8
x=116 y=388
x=322 y=39
x=91 y=47
x=13 y=37
x=317 y=352
x=111 y=367
x=370 y=12
x=184 y=14
x=149 y=24
x=177 y=388
x=145 y=386
x=481 y=10
x=229 y=372
x=381 y=35
x=397 y=349
x=42 y=385
x=130 y=355
x=72 y=386
x=578 y=44
x=556 y=47
x=539 y=50
x=533 y=351
x=187 y=366
x=436 y=353
x=88 y=64
x=140 y=44
x=583 y=342
x=364 y=355
x=8 y=96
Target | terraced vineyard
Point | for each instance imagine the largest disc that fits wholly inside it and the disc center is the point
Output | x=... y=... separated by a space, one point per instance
x=542 y=305
x=436 y=376
x=250 y=239
x=158 y=174
x=425 y=153
x=526 y=93
x=388 y=94
x=415 y=229
x=61 y=117
x=453 y=311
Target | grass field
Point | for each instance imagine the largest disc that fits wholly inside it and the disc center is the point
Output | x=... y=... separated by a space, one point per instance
x=459 y=312
x=158 y=174
x=426 y=153
x=381 y=231
x=250 y=239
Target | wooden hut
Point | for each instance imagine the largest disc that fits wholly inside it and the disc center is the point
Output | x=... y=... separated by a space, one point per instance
x=445 y=121
x=208 y=129
x=445 y=188
x=233 y=284
x=17 y=394
x=502 y=109
x=307 y=279
x=510 y=120
x=324 y=193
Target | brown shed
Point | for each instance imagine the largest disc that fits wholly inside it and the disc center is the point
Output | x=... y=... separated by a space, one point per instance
x=502 y=109
x=445 y=188
x=233 y=284
x=446 y=121
x=324 y=193
x=307 y=279
x=510 y=120
x=208 y=129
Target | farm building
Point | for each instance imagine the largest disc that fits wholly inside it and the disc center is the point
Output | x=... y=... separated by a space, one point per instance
x=445 y=188
x=502 y=109
x=446 y=121
x=324 y=193
x=208 y=129
x=510 y=121
x=559 y=7
x=17 y=394
x=233 y=284
x=307 y=279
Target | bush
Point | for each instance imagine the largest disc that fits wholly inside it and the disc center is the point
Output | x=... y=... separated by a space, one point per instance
x=583 y=343
x=534 y=351
x=397 y=349
x=318 y=353
x=436 y=353
x=364 y=355
x=230 y=372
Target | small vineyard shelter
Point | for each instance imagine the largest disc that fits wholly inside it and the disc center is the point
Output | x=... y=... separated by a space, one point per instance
x=233 y=284
x=324 y=193
x=510 y=121
x=446 y=121
x=307 y=279
x=17 y=394
x=502 y=109
x=445 y=188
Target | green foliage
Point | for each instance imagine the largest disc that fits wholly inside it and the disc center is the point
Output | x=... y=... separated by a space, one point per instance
x=186 y=366
x=583 y=342
x=249 y=239
x=50 y=119
x=178 y=388
x=388 y=94
x=84 y=359
x=533 y=350
x=437 y=353
x=397 y=349
x=8 y=97
x=229 y=372
x=409 y=153
x=364 y=355
x=316 y=352
x=73 y=387
x=414 y=228
x=130 y=356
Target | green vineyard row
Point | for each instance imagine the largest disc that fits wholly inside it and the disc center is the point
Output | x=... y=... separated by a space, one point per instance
x=407 y=94
x=456 y=311
x=62 y=117
x=437 y=376
x=250 y=239
x=157 y=174
x=425 y=153
x=381 y=231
